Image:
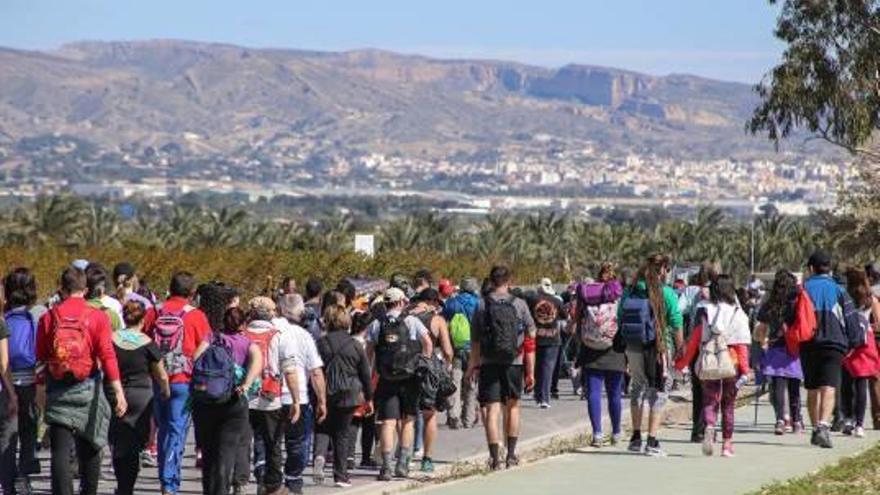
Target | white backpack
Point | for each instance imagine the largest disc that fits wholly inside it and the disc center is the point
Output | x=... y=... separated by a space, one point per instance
x=599 y=326
x=716 y=362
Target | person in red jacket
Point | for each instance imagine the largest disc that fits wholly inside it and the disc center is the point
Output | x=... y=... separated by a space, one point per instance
x=861 y=363
x=74 y=348
x=183 y=328
x=720 y=317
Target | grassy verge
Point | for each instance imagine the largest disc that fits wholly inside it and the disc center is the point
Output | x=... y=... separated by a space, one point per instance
x=859 y=474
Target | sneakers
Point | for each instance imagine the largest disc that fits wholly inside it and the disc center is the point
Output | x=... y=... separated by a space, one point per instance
x=709 y=442
x=384 y=474
x=727 y=449
x=427 y=465
x=598 y=440
x=654 y=451
x=342 y=484
x=780 y=428
x=616 y=438
x=848 y=428
x=401 y=470
x=148 y=460
x=544 y=405
x=453 y=424
x=318 y=470
x=798 y=427
x=823 y=438
x=494 y=464
x=512 y=461
x=859 y=432
x=635 y=444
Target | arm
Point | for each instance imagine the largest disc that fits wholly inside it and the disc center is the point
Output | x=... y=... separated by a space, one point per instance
x=290 y=376
x=761 y=334
x=160 y=376
x=316 y=377
x=364 y=375
x=741 y=351
x=255 y=367
x=442 y=330
x=692 y=348
x=6 y=376
x=674 y=320
x=201 y=349
x=855 y=334
x=529 y=361
x=100 y=334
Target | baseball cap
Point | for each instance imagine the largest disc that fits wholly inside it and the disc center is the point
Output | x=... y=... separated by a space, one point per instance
x=547 y=287
x=80 y=264
x=445 y=287
x=393 y=295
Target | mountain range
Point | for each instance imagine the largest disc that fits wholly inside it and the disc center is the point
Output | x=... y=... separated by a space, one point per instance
x=216 y=98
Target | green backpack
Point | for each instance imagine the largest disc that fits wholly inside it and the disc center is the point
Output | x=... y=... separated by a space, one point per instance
x=460 y=331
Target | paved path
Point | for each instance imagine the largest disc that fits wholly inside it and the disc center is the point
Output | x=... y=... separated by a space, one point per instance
x=452 y=446
x=761 y=458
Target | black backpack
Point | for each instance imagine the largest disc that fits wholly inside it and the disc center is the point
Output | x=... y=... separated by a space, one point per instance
x=397 y=356
x=339 y=375
x=501 y=326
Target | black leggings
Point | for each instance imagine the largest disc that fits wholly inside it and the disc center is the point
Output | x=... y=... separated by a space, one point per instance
x=64 y=442
x=853 y=398
x=336 y=427
x=220 y=433
x=792 y=388
x=367 y=426
x=128 y=437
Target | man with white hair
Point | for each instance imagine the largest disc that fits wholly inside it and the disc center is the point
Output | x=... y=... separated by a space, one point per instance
x=309 y=369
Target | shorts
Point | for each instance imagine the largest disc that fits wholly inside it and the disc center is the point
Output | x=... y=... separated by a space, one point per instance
x=394 y=400
x=500 y=383
x=822 y=367
x=652 y=388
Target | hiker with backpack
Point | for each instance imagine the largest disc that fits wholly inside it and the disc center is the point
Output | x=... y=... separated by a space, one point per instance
x=690 y=301
x=720 y=342
x=74 y=343
x=226 y=367
x=459 y=313
x=861 y=363
x=278 y=351
x=97 y=281
x=128 y=284
x=427 y=309
x=651 y=324
x=140 y=365
x=395 y=344
x=178 y=330
x=19 y=432
x=503 y=354
x=364 y=418
x=310 y=371
x=547 y=312
x=837 y=330
x=778 y=363
x=311 y=316
x=601 y=357
x=348 y=386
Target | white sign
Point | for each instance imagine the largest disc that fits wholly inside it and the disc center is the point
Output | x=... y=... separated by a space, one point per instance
x=365 y=244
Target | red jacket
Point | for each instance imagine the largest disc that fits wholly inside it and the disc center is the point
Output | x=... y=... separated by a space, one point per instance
x=98 y=337
x=195 y=329
x=692 y=350
x=862 y=362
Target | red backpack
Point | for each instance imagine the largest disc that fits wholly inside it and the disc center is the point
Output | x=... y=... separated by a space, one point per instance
x=71 y=356
x=271 y=382
x=803 y=329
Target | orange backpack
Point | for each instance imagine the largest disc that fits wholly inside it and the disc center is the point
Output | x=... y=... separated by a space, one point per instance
x=271 y=383
x=803 y=329
x=71 y=357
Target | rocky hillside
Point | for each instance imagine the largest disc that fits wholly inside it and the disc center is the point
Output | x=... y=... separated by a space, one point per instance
x=220 y=97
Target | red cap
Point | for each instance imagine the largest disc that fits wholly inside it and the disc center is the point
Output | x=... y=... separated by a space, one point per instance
x=445 y=287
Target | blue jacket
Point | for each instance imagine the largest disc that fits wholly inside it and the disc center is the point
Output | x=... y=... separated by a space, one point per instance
x=463 y=302
x=837 y=322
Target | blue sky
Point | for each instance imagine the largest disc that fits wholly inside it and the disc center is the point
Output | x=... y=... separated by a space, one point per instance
x=725 y=39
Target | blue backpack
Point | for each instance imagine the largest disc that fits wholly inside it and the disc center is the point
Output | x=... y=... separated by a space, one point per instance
x=22 y=340
x=213 y=374
x=637 y=320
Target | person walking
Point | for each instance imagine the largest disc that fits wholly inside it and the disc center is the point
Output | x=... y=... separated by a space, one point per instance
x=459 y=313
x=503 y=355
x=348 y=386
x=778 y=364
x=651 y=323
x=720 y=343
x=74 y=341
x=838 y=331
x=601 y=355
x=861 y=363
x=547 y=312
x=220 y=423
x=140 y=365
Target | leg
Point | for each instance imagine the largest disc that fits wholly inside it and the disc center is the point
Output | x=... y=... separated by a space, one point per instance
x=594 y=379
x=125 y=454
x=27 y=430
x=541 y=375
x=491 y=415
x=341 y=425
x=89 y=466
x=699 y=424
x=875 y=403
x=356 y=423
x=8 y=443
x=294 y=445
x=794 y=399
x=728 y=403
x=407 y=430
x=469 y=405
x=861 y=400
x=826 y=403
x=259 y=428
x=430 y=418
x=614 y=390
x=847 y=396
x=62 y=443
x=711 y=400
x=368 y=436
x=273 y=434
x=454 y=413
x=553 y=358
x=557 y=370
x=172 y=445
x=779 y=390
x=241 y=466
x=418 y=432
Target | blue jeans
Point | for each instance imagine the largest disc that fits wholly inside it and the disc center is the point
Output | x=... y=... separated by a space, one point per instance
x=297 y=443
x=545 y=361
x=172 y=421
x=594 y=380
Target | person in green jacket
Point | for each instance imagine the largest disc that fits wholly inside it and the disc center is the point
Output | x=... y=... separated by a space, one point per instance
x=649 y=363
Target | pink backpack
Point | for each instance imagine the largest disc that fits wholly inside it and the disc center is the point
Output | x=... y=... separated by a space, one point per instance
x=168 y=335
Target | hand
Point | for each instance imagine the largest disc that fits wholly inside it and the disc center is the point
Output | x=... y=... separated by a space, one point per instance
x=470 y=374
x=11 y=404
x=321 y=412
x=530 y=382
x=294 y=413
x=242 y=389
x=368 y=408
x=121 y=406
x=166 y=393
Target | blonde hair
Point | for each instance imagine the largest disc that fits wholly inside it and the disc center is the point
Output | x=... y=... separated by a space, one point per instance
x=336 y=318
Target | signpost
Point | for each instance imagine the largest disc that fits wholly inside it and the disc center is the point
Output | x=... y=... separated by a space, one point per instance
x=365 y=244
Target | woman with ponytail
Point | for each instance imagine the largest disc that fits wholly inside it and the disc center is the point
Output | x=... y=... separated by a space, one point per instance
x=651 y=324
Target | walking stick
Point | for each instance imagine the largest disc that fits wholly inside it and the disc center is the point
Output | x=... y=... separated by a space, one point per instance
x=759 y=383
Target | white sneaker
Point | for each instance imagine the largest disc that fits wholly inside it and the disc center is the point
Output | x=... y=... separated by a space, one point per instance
x=318 y=470
x=709 y=441
x=860 y=432
x=544 y=405
x=343 y=484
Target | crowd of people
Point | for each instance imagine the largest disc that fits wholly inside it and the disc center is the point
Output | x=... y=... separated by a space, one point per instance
x=292 y=379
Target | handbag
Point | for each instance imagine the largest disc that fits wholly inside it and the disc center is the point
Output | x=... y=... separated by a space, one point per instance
x=716 y=361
